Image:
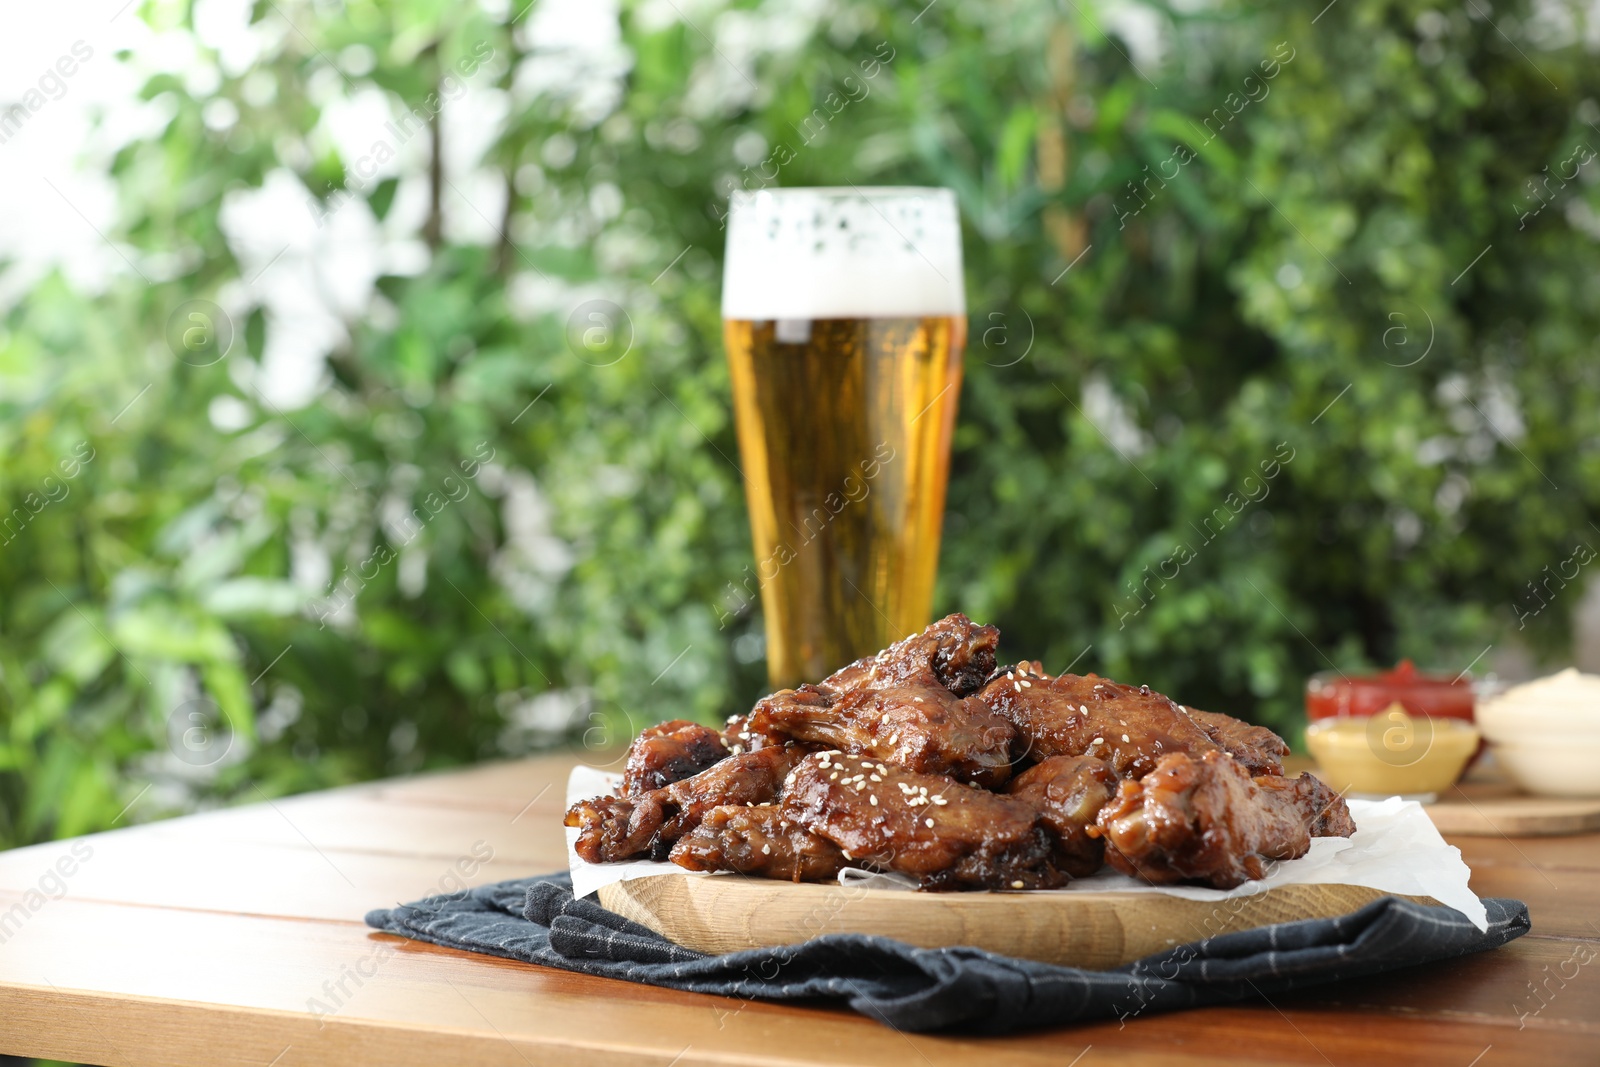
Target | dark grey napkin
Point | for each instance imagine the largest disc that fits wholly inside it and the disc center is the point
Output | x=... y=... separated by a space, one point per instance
x=538 y=920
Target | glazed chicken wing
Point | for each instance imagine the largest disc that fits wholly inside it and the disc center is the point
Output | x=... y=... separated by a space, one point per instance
x=944 y=834
x=922 y=728
x=1068 y=792
x=1203 y=819
x=1324 y=810
x=611 y=829
x=664 y=754
x=1086 y=715
x=954 y=652
x=604 y=830
x=760 y=841
x=739 y=737
x=903 y=761
x=1258 y=748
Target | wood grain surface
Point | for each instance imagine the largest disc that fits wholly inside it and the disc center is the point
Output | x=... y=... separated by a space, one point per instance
x=236 y=937
x=1492 y=809
x=1097 y=931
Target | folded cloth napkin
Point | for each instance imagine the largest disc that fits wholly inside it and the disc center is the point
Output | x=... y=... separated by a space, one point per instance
x=538 y=920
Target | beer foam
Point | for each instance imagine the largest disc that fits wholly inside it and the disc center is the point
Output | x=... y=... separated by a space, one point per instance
x=843 y=253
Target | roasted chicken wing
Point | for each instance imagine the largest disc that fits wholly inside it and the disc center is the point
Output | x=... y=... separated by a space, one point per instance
x=1128 y=727
x=739 y=737
x=611 y=829
x=1068 y=792
x=944 y=834
x=923 y=728
x=664 y=754
x=760 y=841
x=1258 y=748
x=954 y=652
x=1203 y=819
x=1325 y=812
x=605 y=830
x=928 y=760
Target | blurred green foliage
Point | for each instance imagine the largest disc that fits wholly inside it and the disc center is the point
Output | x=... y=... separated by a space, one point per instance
x=1274 y=367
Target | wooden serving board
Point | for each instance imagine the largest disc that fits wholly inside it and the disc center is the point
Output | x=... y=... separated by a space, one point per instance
x=1495 y=808
x=1098 y=931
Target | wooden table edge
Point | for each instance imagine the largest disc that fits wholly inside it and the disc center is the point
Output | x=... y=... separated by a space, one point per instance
x=31 y=1026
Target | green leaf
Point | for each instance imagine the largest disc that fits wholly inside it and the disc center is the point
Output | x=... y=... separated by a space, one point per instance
x=243 y=598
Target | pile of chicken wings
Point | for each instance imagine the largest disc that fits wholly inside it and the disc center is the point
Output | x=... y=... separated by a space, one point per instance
x=931 y=761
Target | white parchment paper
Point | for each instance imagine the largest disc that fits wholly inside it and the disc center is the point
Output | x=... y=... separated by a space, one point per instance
x=1395 y=848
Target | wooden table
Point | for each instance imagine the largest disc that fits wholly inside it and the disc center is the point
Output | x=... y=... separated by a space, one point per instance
x=236 y=936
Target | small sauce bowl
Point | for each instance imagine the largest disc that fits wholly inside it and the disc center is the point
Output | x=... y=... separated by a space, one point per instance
x=1392 y=753
x=1546 y=734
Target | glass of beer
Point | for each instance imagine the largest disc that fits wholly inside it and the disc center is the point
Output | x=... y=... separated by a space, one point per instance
x=844 y=318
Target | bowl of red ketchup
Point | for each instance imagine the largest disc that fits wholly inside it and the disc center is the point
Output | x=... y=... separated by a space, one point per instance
x=1331 y=695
